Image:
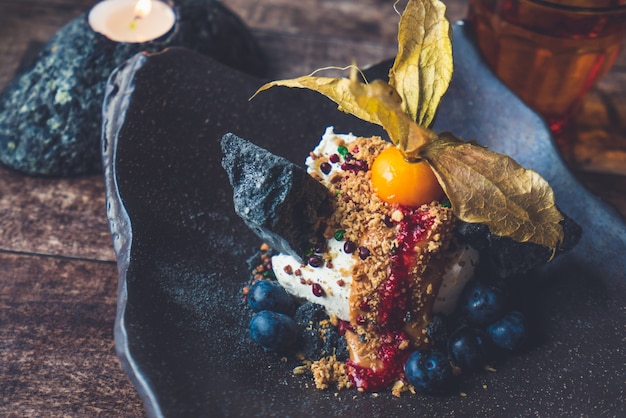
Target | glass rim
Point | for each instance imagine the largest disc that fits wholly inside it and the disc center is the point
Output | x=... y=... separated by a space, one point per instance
x=585 y=5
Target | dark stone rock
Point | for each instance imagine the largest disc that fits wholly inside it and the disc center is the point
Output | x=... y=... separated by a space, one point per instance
x=505 y=257
x=277 y=199
x=50 y=116
x=316 y=340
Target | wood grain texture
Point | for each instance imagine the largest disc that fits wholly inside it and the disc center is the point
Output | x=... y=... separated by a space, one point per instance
x=18 y=32
x=58 y=285
x=373 y=20
x=57 y=356
x=300 y=37
x=64 y=217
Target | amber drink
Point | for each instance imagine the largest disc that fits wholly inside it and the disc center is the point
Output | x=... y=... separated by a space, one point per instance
x=549 y=52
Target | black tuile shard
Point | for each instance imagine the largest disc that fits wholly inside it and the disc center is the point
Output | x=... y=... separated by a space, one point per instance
x=277 y=199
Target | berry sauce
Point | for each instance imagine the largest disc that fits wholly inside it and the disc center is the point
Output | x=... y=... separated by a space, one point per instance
x=396 y=303
x=392 y=358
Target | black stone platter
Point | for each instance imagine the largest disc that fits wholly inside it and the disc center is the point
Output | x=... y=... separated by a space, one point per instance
x=183 y=254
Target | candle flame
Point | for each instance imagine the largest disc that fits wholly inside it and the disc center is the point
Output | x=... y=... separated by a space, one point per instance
x=142 y=8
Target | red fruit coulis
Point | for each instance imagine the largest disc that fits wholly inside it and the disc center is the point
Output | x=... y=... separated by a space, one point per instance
x=395 y=303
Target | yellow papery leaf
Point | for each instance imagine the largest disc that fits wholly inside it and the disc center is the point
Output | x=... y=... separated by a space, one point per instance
x=375 y=102
x=423 y=66
x=336 y=89
x=381 y=101
x=486 y=187
x=483 y=186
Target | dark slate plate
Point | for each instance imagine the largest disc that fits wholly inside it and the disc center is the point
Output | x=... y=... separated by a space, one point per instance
x=182 y=253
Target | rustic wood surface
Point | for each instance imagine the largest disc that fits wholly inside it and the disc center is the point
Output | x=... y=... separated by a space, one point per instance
x=58 y=279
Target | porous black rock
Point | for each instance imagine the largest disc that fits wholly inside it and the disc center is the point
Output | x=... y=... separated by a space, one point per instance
x=318 y=338
x=505 y=257
x=276 y=198
x=437 y=331
x=50 y=115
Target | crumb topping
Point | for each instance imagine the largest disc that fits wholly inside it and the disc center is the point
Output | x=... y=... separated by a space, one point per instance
x=329 y=371
x=377 y=230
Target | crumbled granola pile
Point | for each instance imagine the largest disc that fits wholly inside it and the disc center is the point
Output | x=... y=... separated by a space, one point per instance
x=329 y=371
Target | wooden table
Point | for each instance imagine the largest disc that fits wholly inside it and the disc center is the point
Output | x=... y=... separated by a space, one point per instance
x=58 y=277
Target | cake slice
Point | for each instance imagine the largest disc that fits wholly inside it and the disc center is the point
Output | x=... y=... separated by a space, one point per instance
x=383 y=270
x=397 y=227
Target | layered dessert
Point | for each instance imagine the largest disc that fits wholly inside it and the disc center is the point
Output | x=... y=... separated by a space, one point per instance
x=378 y=241
x=332 y=272
x=368 y=281
x=383 y=269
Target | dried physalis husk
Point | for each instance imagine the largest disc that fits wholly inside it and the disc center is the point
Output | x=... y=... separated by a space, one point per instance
x=483 y=186
x=490 y=188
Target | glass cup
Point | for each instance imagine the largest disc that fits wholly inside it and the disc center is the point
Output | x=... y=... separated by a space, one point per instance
x=549 y=52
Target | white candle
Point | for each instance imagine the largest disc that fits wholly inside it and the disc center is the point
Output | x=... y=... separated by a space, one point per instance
x=129 y=21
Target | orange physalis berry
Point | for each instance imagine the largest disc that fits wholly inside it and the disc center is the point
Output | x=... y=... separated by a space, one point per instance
x=397 y=181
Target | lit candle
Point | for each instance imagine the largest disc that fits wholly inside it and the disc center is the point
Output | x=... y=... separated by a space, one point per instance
x=132 y=20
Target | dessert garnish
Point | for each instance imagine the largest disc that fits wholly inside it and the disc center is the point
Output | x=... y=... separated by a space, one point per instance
x=384 y=260
x=483 y=186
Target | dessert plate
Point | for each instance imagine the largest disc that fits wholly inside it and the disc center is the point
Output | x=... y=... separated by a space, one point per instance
x=181 y=329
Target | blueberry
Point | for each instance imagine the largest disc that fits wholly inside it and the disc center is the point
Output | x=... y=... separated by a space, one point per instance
x=269 y=295
x=429 y=371
x=469 y=348
x=510 y=332
x=483 y=303
x=273 y=331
